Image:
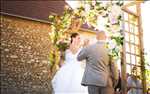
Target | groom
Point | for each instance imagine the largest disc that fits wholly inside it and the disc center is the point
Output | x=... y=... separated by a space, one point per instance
x=98 y=74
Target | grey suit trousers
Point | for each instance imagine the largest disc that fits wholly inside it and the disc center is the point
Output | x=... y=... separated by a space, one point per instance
x=101 y=90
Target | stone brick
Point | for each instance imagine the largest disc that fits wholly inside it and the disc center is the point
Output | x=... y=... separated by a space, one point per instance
x=24 y=49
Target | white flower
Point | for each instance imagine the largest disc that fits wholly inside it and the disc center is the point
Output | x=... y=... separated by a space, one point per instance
x=101 y=21
x=87 y=7
x=116 y=34
x=115 y=28
x=93 y=2
x=105 y=3
x=112 y=18
x=112 y=44
x=116 y=10
x=114 y=13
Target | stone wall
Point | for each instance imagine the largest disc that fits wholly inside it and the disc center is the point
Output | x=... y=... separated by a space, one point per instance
x=24 y=56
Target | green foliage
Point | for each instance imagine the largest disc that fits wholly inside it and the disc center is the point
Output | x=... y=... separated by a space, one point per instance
x=147 y=69
x=62 y=46
x=118 y=39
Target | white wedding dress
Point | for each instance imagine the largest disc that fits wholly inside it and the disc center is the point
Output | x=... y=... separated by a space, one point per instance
x=68 y=78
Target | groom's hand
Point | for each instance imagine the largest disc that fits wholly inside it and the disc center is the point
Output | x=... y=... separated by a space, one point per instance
x=86 y=42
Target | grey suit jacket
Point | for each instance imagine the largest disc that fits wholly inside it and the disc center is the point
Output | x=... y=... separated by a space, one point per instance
x=97 y=71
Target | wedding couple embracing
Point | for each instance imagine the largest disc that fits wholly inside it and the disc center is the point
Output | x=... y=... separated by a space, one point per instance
x=99 y=76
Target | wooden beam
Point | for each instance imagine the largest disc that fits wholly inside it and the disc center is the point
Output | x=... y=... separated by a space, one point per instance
x=128 y=11
x=125 y=8
x=87 y=30
x=123 y=67
x=142 y=48
x=129 y=4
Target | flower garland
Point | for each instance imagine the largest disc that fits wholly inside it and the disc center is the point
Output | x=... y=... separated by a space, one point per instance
x=101 y=15
x=106 y=16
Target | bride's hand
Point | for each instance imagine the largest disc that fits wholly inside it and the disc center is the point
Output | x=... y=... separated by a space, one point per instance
x=76 y=44
x=73 y=44
x=73 y=48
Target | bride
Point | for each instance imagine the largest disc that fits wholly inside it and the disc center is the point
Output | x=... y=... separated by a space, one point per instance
x=68 y=78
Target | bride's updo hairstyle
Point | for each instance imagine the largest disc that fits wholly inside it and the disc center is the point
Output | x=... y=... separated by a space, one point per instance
x=73 y=35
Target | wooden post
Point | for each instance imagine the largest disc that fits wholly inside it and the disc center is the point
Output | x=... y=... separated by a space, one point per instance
x=141 y=46
x=123 y=74
x=123 y=64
